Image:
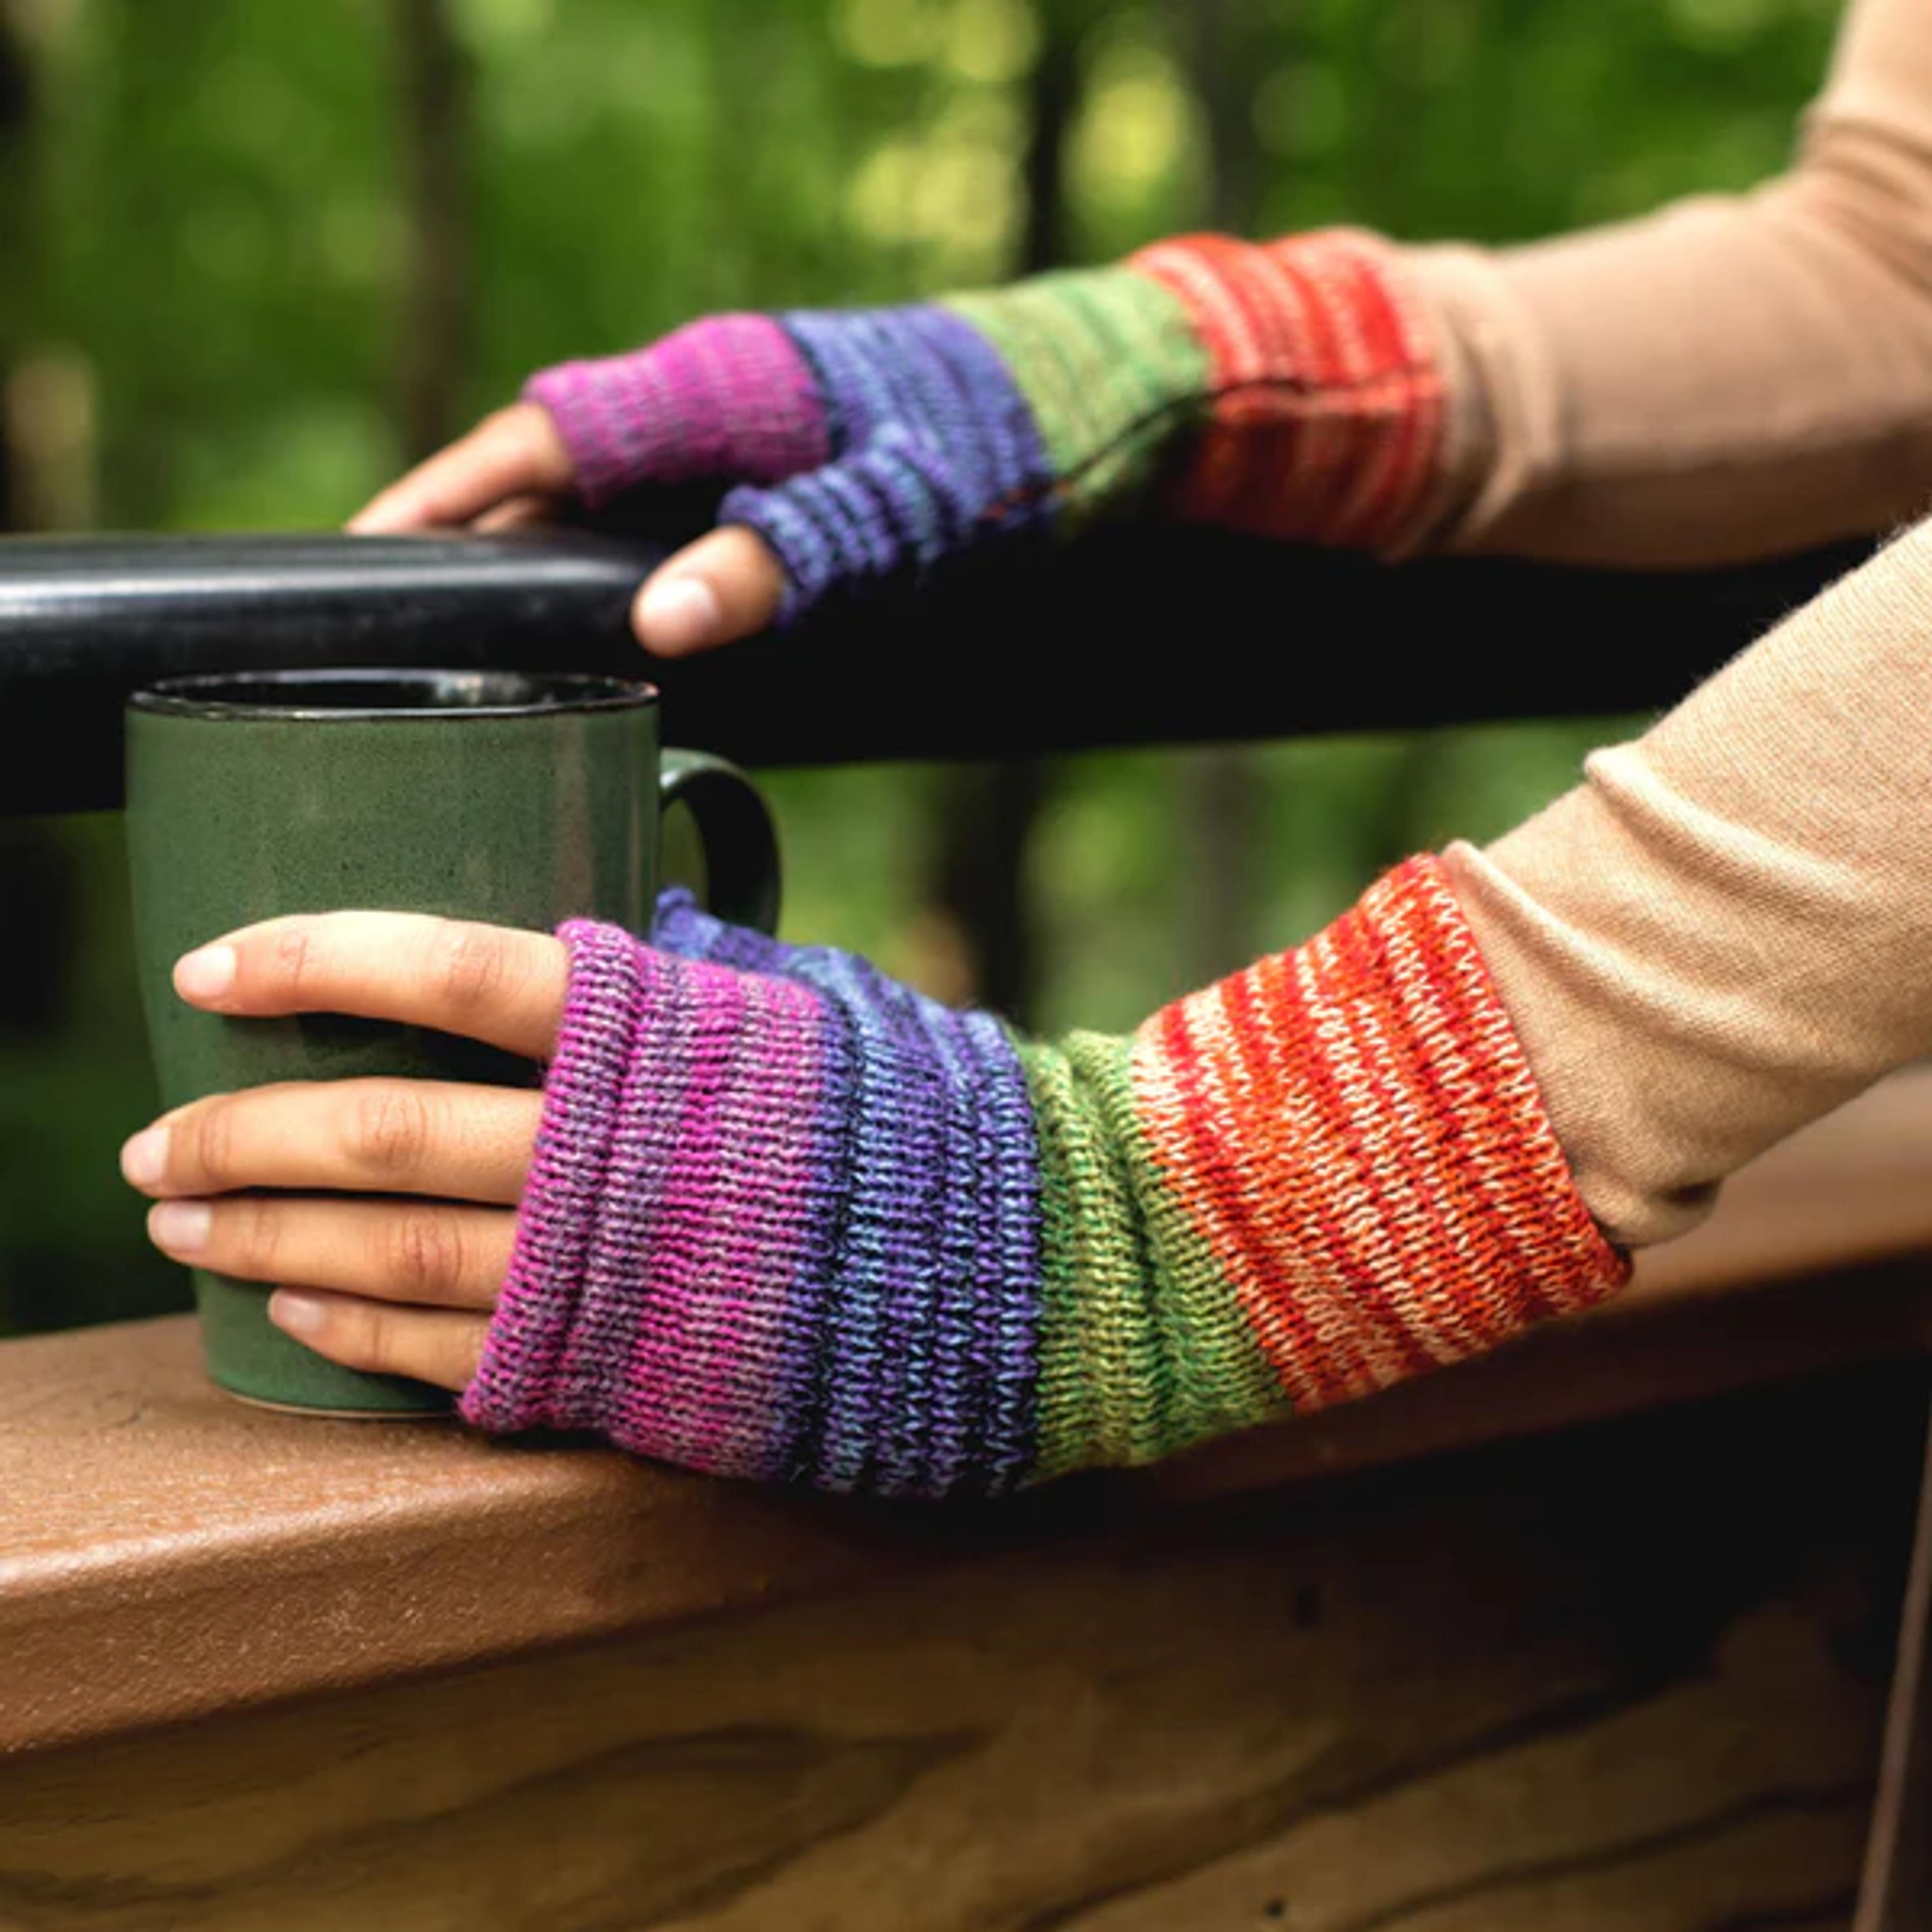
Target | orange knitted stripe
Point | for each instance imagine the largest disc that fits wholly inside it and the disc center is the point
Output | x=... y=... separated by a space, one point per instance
x=1356 y=1135
x=1327 y=413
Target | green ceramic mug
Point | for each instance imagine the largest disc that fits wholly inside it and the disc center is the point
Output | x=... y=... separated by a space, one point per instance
x=520 y=799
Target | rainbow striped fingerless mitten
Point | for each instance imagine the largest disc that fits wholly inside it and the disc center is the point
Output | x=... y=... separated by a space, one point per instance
x=790 y=1220
x=1292 y=389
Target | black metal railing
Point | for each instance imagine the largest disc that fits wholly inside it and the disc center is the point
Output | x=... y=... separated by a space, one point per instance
x=1128 y=637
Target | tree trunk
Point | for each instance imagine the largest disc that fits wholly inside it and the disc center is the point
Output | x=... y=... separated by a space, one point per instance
x=987 y=812
x=1221 y=793
x=435 y=84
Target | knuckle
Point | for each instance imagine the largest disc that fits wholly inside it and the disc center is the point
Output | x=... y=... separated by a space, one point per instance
x=361 y=1337
x=425 y=1254
x=472 y=968
x=376 y=1340
x=211 y=1142
x=387 y=1131
x=292 y=957
x=256 y=1235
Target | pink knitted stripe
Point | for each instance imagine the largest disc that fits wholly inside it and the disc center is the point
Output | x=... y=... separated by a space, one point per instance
x=729 y=397
x=700 y=1384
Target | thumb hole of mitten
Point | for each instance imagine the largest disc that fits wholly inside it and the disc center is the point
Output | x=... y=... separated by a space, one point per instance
x=729 y=584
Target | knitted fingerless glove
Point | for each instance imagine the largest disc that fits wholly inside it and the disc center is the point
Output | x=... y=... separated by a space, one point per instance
x=1294 y=389
x=789 y=1220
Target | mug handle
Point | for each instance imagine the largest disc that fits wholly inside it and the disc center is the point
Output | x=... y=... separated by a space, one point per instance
x=734 y=825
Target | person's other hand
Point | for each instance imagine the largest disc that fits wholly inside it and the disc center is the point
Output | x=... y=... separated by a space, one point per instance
x=1290 y=389
x=514 y=469
x=382 y=1211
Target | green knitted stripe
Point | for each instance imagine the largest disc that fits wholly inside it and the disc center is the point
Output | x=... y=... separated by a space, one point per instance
x=1143 y=1349
x=1110 y=364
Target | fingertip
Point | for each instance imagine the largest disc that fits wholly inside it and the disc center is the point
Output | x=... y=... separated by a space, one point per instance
x=728 y=584
x=297 y=1313
x=370 y=521
x=676 y=612
x=144 y=1158
x=206 y=975
x=404 y=508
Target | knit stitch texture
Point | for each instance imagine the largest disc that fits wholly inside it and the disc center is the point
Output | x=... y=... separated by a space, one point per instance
x=790 y=1220
x=1293 y=388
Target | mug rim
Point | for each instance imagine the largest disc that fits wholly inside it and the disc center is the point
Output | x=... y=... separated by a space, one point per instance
x=561 y=693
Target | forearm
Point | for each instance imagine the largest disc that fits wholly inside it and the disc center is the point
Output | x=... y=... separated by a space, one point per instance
x=787 y=1219
x=1728 y=379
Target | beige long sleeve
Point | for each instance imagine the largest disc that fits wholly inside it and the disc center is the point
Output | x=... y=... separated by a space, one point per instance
x=1731 y=377
x=1726 y=931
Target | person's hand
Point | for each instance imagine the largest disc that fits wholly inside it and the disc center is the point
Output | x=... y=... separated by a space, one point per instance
x=513 y=470
x=389 y=1230
x=778 y=1215
x=1292 y=389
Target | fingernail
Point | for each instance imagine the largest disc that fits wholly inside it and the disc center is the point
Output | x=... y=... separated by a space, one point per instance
x=296 y=1313
x=679 y=613
x=145 y=1159
x=180 y=1227
x=205 y=975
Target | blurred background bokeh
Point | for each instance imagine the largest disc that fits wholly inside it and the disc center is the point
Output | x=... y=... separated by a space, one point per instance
x=254 y=256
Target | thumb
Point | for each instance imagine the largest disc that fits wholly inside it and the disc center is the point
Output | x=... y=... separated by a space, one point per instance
x=729 y=584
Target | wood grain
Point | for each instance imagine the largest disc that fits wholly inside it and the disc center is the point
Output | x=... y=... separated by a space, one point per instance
x=1630 y=1679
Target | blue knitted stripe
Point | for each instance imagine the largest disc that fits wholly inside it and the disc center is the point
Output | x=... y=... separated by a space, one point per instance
x=934 y=449
x=928 y=1336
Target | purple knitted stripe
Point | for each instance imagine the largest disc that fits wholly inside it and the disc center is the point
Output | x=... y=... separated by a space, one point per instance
x=729 y=397
x=682 y=930
x=517 y=1385
x=676 y=1272
x=936 y=450
x=723 y=1255
x=651 y=1102
x=929 y=1353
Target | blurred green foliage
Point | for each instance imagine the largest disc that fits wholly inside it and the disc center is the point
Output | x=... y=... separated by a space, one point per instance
x=205 y=328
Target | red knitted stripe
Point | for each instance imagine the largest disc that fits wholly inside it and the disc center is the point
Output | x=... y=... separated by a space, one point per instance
x=1489 y=1082
x=1322 y=425
x=1355 y=1133
x=1339 y=1085
x=1325 y=421
x=1401 y=408
x=1314 y=1358
x=1436 y=968
x=1257 y=456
